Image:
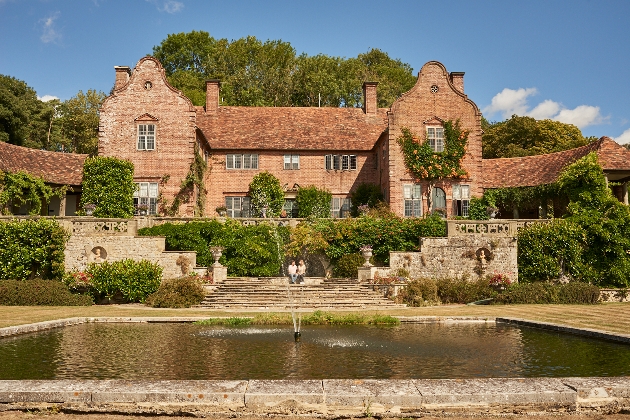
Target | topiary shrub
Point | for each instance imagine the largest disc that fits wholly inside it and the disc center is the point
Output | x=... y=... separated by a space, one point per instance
x=32 y=249
x=464 y=290
x=419 y=292
x=267 y=195
x=38 y=292
x=346 y=266
x=182 y=292
x=313 y=202
x=134 y=280
x=108 y=185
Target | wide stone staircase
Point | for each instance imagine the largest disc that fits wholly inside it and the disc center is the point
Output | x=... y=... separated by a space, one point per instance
x=276 y=293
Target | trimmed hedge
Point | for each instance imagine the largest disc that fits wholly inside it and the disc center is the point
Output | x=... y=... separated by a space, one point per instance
x=134 y=280
x=182 y=292
x=547 y=293
x=32 y=248
x=39 y=292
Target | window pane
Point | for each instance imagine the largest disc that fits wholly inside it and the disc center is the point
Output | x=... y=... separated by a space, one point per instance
x=254 y=161
x=353 y=162
x=247 y=161
x=245 y=207
x=417 y=191
x=456 y=192
x=296 y=161
x=229 y=161
x=465 y=206
x=287 y=161
x=408 y=208
x=406 y=192
x=328 y=162
x=345 y=162
x=336 y=162
x=144 y=189
x=417 y=208
x=465 y=192
x=153 y=189
x=238 y=162
x=152 y=205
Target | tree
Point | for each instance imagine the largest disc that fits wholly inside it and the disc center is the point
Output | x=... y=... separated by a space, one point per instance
x=365 y=194
x=313 y=202
x=108 y=185
x=18 y=102
x=267 y=196
x=79 y=122
x=526 y=136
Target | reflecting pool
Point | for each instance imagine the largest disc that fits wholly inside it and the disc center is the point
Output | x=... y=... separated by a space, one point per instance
x=186 y=351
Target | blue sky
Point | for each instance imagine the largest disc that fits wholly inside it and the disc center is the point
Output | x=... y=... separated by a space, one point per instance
x=564 y=60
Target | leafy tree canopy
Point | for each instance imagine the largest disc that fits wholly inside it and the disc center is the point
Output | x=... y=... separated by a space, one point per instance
x=256 y=73
x=526 y=136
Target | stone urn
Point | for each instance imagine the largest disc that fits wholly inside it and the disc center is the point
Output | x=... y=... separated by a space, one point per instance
x=216 y=252
x=366 y=252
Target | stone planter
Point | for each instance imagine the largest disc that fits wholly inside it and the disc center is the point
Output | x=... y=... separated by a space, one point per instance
x=367 y=255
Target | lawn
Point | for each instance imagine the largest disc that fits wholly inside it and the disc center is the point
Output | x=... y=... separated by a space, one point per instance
x=613 y=317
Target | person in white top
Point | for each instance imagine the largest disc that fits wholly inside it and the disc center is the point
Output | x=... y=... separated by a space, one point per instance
x=292 y=272
x=301 y=271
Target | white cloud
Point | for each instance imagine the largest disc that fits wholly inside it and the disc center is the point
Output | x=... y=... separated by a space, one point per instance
x=168 y=6
x=50 y=32
x=509 y=102
x=47 y=98
x=624 y=137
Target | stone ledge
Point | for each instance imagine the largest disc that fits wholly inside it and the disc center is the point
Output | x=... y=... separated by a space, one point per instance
x=587 y=332
x=327 y=397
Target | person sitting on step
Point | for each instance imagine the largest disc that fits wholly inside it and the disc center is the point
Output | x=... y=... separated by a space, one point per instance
x=292 y=272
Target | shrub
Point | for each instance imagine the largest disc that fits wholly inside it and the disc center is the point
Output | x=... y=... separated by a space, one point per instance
x=419 y=292
x=347 y=265
x=182 y=292
x=32 y=249
x=548 y=293
x=463 y=290
x=313 y=202
x=266 y=193
x=39 y=292
x=365 y=195
x=20 y=188
x=477 y=209
x=134 y=280
x=108 y=184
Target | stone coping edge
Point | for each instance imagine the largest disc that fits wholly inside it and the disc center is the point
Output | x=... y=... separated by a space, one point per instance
x=588 y=332
x=329 y=397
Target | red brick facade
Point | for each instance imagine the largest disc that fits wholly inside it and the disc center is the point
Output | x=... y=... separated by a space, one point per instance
x=271 y=133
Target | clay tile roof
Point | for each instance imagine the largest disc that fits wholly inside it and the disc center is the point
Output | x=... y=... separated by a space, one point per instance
x=530 y=170
x=612 y=156
x=53 y=167
x=287 y=128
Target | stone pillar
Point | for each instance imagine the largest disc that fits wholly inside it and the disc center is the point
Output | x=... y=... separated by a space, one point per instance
x=62 y=206
x=366 y=273
x=219 y=274
x=624 y=192
x=515 y=213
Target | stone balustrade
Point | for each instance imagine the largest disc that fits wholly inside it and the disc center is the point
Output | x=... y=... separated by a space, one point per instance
x=496 y=227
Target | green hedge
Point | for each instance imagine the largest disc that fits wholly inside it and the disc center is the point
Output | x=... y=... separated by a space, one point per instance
x=39 y=292
x=134 y=280
x=32 y=248
x=248 y=250
x=182 y=292
x=108 y=184
x=548 y=293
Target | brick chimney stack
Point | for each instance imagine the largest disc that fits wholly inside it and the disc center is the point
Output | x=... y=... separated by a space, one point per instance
x=370 y=104
x=457 y=78
x=122 y=76
x=213 y=87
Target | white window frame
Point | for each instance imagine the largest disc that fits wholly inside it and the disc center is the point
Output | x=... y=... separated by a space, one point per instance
x=412 y=200
x=146 y=137
x=461 y=199
x=339 y=207
x=291 y=162
x=241 y=161
x=435 y=137
x=340 y=162
x=146 y=193
x=237 y=206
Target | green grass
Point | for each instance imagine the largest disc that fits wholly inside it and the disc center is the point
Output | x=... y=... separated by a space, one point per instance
x=315 y=318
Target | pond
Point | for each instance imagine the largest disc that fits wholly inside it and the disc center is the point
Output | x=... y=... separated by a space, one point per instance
x=179 y=351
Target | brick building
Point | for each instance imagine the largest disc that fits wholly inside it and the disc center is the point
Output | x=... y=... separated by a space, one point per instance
x=155 y=126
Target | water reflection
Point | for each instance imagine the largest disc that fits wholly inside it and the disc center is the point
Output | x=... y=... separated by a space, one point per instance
x=184 y=351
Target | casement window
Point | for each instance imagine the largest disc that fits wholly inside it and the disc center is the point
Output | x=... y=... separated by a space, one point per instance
x=245 y=161
x=237 y=206
x=145 y=198
x=290 y=206
x=340 y=162
x=339 y=207
x=438 y=201
x=412 y=194
x=435 y=137
x=146 y=136
x=461 y=200
x=291 y=161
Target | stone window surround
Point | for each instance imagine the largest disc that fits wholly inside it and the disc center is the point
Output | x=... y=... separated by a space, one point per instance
x=435 y=137
x=143 y=140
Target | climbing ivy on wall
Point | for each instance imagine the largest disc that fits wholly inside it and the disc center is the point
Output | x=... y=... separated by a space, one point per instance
x=20 y=188
x=194 y=181
x=425 y=164
x=108 y=185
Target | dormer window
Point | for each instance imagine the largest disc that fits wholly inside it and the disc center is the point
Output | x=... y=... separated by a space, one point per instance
x=146 y=136
x=435 y=137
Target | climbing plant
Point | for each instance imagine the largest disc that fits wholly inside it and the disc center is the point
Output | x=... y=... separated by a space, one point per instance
x=20 y=188
x=108 y=185
x=428 y=165
x=194 y=181
x=313 y=202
